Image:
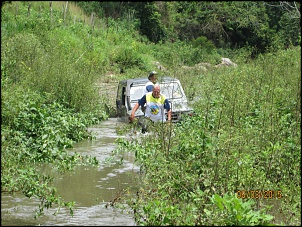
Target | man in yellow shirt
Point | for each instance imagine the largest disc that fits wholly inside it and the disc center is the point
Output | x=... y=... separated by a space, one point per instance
x=156 y=104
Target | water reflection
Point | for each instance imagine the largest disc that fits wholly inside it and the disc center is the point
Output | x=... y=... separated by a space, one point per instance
x=90 y=187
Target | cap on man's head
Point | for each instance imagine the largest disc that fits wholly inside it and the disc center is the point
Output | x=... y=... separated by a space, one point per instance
x=151 y=74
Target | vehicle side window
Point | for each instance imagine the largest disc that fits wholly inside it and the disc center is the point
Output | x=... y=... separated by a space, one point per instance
x=123 y=95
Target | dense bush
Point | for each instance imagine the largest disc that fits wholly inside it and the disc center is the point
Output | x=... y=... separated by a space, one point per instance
x=47 y=102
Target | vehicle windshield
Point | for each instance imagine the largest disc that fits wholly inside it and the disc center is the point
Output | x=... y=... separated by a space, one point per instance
x=171 y=90
x=136 y=92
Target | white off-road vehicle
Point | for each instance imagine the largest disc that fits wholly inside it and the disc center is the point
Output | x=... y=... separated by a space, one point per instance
x=131 y=90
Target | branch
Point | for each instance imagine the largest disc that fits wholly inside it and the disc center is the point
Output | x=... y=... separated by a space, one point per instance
x=290 y=7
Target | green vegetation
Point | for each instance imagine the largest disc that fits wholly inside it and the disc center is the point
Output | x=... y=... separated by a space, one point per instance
x=48 y=99
x=245 y=134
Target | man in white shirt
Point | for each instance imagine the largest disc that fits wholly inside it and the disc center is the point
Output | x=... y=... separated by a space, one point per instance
x=152 y=81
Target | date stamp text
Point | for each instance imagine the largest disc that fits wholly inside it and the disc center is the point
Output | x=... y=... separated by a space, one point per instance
x=259 y=194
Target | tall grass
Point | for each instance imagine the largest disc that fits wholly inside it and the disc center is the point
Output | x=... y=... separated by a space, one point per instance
x=244 y=136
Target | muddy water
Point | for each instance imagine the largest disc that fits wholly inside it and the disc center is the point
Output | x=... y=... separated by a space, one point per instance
x=92 y=188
